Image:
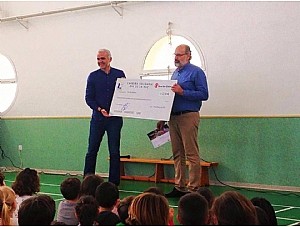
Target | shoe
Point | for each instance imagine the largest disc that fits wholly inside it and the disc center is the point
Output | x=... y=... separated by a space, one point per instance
x=175 y=193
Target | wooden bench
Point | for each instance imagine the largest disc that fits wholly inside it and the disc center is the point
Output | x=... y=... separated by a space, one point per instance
x=159 y=175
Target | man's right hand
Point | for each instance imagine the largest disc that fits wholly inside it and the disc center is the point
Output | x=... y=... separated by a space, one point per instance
x=104 y=113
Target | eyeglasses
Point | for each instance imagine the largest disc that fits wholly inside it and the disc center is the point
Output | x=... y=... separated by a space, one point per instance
x=179 y=55
x=102 y=58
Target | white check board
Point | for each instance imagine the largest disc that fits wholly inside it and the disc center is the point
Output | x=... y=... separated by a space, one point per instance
x=145 y=99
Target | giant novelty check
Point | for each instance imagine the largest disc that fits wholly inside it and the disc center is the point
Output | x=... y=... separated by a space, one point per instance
x=145 y=99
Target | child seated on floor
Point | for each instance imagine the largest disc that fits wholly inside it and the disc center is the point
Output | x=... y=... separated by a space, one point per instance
x=193 y=210
x=107 y=196
x=233 y=208
x=265 y=204
x=158 y=191
x=123 y=209
x=86 y=210
x=89 y=184
x=37 y=210
x=26 y=185
x=7 y=205
x=148 y=209
x=209 y=196
x=70 y=189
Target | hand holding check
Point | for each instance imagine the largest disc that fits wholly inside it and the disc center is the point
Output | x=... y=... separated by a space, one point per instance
x=177 y=89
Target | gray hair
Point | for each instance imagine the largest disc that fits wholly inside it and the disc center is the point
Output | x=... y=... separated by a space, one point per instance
x=106 y=51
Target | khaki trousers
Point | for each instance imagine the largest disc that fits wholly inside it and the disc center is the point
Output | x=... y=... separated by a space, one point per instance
x=184 y=140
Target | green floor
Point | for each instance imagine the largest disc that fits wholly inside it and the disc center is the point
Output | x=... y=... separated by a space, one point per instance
x=286 y=205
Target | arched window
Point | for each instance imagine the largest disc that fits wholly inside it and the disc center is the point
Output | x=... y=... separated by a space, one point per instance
x=8 y=84
x=159 y=62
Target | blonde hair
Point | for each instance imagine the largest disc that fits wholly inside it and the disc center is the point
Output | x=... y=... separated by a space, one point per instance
x=7 y=204
x=148 y=209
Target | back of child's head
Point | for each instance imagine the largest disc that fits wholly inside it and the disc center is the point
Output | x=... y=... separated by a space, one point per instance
x=70 y=188
x=123 y=208
x=262 y=217
x=90 y=183
x=267 y=207
x=207 y=194
x=148 y=209
x=155 y=190
x=233 y=208
x=27 y=182
x=86 y=210
x=107 y=218
x=107 y=194
x=37 y=210
x=7 y=204
x=193 y=209
x=2 y=178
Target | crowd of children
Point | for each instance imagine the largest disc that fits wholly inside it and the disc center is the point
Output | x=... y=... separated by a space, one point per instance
x=96 y=202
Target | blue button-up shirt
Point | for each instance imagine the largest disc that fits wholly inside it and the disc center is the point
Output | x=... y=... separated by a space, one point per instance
x=192 y=80
x=100 y=89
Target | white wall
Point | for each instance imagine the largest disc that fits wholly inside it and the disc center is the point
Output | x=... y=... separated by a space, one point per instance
x=252 y=52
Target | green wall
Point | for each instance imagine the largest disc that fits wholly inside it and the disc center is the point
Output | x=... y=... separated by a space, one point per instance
x=252 y=150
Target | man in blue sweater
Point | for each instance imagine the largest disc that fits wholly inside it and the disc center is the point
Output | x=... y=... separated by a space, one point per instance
x=190 y=90
x=99 y=93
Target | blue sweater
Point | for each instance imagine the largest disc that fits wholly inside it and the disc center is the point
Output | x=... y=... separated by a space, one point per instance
x=192 y=80
x=100 y=90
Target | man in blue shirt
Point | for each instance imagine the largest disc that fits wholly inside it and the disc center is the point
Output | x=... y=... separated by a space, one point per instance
x=190 y=90
x=99 y=93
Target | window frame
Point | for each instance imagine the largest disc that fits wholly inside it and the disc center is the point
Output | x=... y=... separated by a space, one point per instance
x=8 y=81
x=167 y=72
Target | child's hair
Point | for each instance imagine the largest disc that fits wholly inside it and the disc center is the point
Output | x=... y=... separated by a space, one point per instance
x=207 y=194
x=123 y=208
x=193 y=209
x=148 y=209
x=86 y=210
x=89 y=184
x=107 y=194
x=267 y=207
x=262 y=216
x=155 y=190
x=233 y=208
x=70 y=188
x=2 y=178
x=7 y=204
x=27 y=182
x=37 y=210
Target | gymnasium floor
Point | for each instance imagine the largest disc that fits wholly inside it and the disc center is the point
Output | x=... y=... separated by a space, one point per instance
x=286 y=204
